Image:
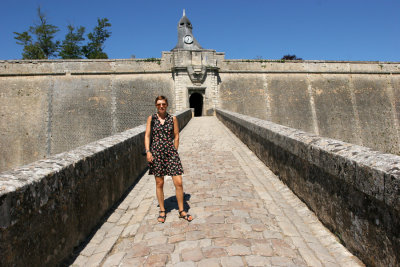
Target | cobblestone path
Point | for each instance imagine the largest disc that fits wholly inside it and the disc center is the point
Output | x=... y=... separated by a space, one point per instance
x=243 y=215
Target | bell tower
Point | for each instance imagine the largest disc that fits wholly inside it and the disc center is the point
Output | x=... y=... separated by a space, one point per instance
x=186 y=40
x=195 y=72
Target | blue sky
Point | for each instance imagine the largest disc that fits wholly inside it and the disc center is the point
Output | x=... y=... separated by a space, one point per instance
x=364 y=30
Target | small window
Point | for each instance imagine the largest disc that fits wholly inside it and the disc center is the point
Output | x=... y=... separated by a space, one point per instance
x=182 y=23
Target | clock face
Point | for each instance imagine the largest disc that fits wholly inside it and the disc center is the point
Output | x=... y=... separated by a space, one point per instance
x=188 y=39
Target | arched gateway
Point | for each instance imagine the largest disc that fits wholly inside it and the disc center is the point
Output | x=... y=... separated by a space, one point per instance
x=196 y=102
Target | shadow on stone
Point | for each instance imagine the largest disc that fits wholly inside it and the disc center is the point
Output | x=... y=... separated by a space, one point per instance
x=68 y=261
x=171 y=203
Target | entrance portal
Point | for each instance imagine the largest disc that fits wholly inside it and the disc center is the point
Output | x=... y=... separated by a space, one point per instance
x=196 y=102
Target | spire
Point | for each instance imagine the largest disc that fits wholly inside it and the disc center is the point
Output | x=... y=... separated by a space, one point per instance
x=186 y=39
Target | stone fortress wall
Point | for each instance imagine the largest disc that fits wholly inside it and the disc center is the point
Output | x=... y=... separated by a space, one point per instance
x=356 y=102
x=48 y=107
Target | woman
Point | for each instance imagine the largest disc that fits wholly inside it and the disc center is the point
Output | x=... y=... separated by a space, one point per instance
x=162 y=155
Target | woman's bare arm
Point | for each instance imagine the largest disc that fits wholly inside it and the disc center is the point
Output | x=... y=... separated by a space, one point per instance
x=147 y=140
x=176 y=133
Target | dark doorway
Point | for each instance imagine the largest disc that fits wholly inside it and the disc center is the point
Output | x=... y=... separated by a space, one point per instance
x=196 y=102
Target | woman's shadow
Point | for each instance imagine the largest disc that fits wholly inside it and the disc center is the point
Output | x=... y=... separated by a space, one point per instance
x=171 y=203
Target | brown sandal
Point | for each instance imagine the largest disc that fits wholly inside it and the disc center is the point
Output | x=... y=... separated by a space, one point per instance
x=162 y=217
x=185 y=217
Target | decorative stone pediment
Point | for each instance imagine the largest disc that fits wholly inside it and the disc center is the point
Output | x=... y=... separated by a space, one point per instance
x=197 y=74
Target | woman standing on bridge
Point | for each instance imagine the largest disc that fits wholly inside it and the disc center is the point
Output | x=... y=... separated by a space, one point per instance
x=161 y=142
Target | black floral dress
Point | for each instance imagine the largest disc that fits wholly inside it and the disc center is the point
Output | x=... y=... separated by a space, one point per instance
x=166 y=160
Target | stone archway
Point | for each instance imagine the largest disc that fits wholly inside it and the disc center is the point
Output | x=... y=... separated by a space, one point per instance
x=196 y=102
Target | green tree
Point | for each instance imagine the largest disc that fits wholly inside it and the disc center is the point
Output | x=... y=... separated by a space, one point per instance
x=31 y=50
x=291 y=57
x=94 y=49
x=70 y=47
x=43 y=46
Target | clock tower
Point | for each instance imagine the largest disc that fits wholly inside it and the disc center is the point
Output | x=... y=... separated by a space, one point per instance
x=186 y=40
x=195 y=72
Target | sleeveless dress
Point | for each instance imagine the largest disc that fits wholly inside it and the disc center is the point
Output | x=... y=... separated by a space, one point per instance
x=166 y=160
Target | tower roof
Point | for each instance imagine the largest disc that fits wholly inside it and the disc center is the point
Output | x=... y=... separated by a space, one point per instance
x=186 y=39
x=184 y=21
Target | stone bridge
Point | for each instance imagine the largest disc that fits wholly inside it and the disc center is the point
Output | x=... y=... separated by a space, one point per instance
x=261 y=194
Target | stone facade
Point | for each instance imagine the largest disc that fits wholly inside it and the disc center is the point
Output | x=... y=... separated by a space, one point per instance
x=48 y=107
x=356 y=102
x=196 y=71
x=45 y=111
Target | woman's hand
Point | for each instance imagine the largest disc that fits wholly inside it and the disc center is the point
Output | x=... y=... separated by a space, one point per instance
x=149 y=157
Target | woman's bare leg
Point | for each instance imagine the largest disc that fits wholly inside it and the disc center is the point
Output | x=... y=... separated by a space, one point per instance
x=179 y=193
x=178 y=190
x=160 y=194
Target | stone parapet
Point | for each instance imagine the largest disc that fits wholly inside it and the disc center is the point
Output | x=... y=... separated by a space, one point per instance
x=352 y=189
x=60 y=67
x=308 y=66
x=49 y=207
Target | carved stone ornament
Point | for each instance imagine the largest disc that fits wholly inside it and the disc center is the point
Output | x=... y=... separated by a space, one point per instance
x=197 y=74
